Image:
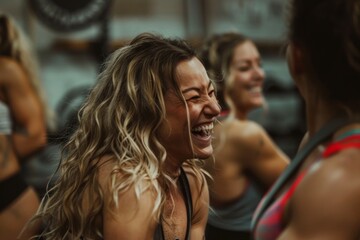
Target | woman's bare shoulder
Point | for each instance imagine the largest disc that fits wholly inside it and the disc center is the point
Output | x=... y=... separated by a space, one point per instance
x=200 y=195
x=193 y=175
x=11 y=71
x=109 y=172
x=344 y=167
x=329 y=192
x=196 y=180
x=9 y=64
x=337 y=176
x=242 y=132
x=105 y=166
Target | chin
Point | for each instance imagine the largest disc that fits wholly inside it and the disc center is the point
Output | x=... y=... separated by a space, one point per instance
x=204 y=153
x=258 y=104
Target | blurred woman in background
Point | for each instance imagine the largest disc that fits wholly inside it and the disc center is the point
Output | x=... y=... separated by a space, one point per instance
x=24 y=118
x=246 y=161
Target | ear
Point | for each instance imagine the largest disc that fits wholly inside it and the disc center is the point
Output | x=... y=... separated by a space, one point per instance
x=295 y=59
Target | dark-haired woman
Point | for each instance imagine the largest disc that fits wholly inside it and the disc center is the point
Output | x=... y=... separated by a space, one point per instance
x=317 y=197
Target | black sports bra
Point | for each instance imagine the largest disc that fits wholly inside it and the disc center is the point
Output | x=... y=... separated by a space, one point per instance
x=185 y=188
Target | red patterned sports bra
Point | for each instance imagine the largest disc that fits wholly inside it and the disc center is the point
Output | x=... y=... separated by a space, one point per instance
x=270 y=225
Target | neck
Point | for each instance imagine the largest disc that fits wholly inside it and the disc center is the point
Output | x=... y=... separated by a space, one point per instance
x=172 y=168
x=238 y=114
x=320 y=112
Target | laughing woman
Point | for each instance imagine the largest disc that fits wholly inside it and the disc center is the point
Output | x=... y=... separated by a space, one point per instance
x=130 y=171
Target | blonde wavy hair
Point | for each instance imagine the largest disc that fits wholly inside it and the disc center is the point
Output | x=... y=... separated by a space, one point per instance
x=120 y=118
x=15 y=45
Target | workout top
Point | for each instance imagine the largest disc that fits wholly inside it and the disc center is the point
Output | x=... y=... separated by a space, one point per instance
x=237 y=216
x=5 y=122
x=14 y=185
x=270 y=225
x=10 y=189
x=185 y=188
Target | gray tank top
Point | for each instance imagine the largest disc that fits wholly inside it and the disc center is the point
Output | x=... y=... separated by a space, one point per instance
x=5 y=120
x=237 y=217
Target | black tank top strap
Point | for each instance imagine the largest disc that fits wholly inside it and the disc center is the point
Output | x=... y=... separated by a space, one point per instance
x=159 y=233
x=185 y=189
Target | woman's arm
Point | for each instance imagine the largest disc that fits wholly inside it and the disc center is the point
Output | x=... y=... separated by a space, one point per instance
x=260 y=156
x=132 y=219
x=29 y=133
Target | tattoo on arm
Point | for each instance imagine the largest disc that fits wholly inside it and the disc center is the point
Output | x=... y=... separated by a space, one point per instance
x=260 y=146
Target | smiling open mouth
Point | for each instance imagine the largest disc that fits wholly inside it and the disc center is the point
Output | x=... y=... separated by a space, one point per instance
x=255 y=89
x=203 y=131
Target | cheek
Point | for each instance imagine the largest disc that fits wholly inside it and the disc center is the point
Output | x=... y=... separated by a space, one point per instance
x=195 y=110
x=174 y=124
x=163 y=132
x=236 y=84
x=240 y=79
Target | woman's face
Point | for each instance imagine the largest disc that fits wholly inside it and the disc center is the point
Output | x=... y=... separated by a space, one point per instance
x=188 y=135
x=244 y=85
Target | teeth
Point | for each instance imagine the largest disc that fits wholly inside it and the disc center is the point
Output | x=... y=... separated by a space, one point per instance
x=256 y=89
x=205 y=128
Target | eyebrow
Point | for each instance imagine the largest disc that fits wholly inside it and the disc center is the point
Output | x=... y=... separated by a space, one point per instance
x=247 y=60
x=195 y=88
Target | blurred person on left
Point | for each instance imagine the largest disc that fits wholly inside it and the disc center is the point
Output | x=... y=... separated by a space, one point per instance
x=23 y=117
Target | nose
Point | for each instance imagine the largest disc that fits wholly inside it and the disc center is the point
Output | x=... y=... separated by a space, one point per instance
x=212 y=107
x=259 y=73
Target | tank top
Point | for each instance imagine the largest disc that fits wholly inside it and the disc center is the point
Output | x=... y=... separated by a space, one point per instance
x=237 y=216
x=5 y=120
x=185 y=188
x=270 y=225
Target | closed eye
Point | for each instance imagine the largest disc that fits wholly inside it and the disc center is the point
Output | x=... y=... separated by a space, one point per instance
x=244 y=69
x=193 y=97
x=212 y=93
